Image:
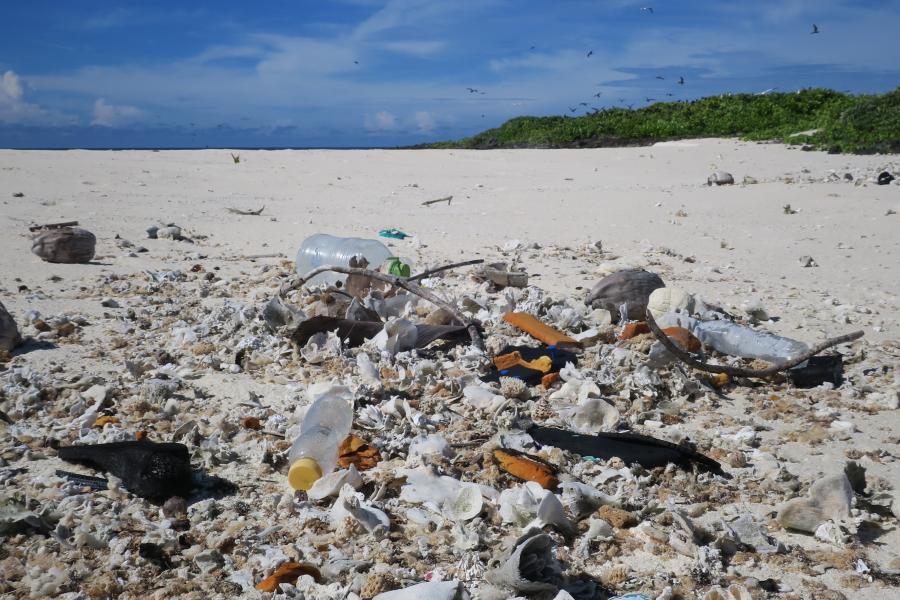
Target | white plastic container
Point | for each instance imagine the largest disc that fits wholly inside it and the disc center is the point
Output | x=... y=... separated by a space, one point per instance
x=326 y=423
x=737 y=340
x=322 y=249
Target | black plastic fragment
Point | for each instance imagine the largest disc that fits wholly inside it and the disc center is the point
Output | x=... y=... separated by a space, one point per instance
x=97 y=483
x=147 y=469
x=647 y=451
x=818 y=370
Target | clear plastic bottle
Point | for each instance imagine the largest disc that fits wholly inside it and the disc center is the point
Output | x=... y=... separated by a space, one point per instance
x=740 y=340
x=315 y=451
x=323 y=249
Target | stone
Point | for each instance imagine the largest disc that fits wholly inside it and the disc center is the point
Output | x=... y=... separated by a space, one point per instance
x=720 y=178
x=9 y=332
x=630 y=289
x=617 y=517
x=65 y=245
x=829 y=498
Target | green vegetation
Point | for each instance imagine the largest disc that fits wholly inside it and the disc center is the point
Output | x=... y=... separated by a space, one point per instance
x=843 y=123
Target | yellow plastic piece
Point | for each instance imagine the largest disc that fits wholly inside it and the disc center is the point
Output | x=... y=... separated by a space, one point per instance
x=304 y=473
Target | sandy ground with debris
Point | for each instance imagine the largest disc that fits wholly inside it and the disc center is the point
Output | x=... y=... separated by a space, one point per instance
x=648 y=207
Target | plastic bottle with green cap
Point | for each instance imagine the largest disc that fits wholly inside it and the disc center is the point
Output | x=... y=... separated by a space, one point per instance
x=326 y=423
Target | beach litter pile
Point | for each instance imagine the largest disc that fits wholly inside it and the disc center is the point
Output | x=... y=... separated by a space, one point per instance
x=502 y=443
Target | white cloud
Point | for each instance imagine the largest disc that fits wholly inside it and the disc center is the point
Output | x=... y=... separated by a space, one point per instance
x=111 y=115
x=424 y=121
x=380 y=121
x=416 y=48
x=15 y=110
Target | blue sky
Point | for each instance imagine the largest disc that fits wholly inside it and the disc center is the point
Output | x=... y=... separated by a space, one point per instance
x=392 y=72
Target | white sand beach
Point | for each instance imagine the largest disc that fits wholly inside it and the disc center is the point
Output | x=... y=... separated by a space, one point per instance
x=647 y=207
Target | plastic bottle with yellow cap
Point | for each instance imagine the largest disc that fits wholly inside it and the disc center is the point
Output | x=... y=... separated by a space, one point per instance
x=326 y=423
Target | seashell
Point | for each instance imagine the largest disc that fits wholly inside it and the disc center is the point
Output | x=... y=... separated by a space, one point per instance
x=433 y=590
x=65 y=245
x=829 y=498
x=530 y=567
x=720 y=178
x=598 y=529
x=733 y=592
x=350 y=504
x=550 y=512
x=368 y=372
x=625 y=293
x=277 y=314
x=9 y=332
x=582 y=499
x=172 y=232
x=465 y=505
x=593 y=415
x=481 y=397
x=331 y=484
x=398 y=335
x=670 y=299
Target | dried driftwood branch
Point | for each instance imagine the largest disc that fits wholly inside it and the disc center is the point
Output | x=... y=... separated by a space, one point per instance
x=254 y=213
x=739 y=371
x=400 y=282
x=430 y=272
x=53 y=226
x=446 y=199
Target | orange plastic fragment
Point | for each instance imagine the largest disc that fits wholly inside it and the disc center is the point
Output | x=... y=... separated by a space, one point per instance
x=525 y=467
x=103 y=420
x=140 y=435
x=634 y=329
x=720 y=380
x=683 y=338
x=356 y=451
x=549 y=379
x=540 y=331
x=289 y=572
x=250 y=422
x=508 y=361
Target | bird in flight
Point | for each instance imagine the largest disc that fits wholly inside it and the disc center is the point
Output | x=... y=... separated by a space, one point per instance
x=681 y=81
x=766 y=92
x=590 y=53
x=660 y=77
x=650 y=99
x=582 y=103
x=472 y=90
x=532 y=48
x=670 y=94
x=598 y=94
x=815 y=29
x=573 y=109
x=648 y=9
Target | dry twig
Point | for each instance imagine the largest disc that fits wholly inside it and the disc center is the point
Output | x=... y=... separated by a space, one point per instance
x=446 y=199
x=254 y=213
x=53 y=226
x=739 y=371
x=400 y=282
x=431 y=272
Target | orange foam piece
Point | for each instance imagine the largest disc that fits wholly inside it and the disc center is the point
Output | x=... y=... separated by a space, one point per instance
x=533 y=327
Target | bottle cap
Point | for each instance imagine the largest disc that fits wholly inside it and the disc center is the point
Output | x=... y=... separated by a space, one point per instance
x=303 y=473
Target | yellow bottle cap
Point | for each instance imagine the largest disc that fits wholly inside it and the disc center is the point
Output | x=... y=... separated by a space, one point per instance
x=304 y=473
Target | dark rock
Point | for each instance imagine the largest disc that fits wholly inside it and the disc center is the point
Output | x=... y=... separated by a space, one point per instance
x=65 y=245
x=631 y=288
x=885 y=178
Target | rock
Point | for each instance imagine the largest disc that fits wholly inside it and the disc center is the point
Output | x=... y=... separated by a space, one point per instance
x=9 y=332
x=808 y=261
x=884 y=178
x=66 y=245
x=829 y=498
x=720 y=178
x=617 y=517
x=172 y=232
x=109 y=303
x=630 y=288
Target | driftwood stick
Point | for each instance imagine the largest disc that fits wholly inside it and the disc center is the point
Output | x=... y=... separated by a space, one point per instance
x=254 y=213
x=739 y=371
x=400 y=282
x=430 y=272
x=53 y=226
x=446 y=199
